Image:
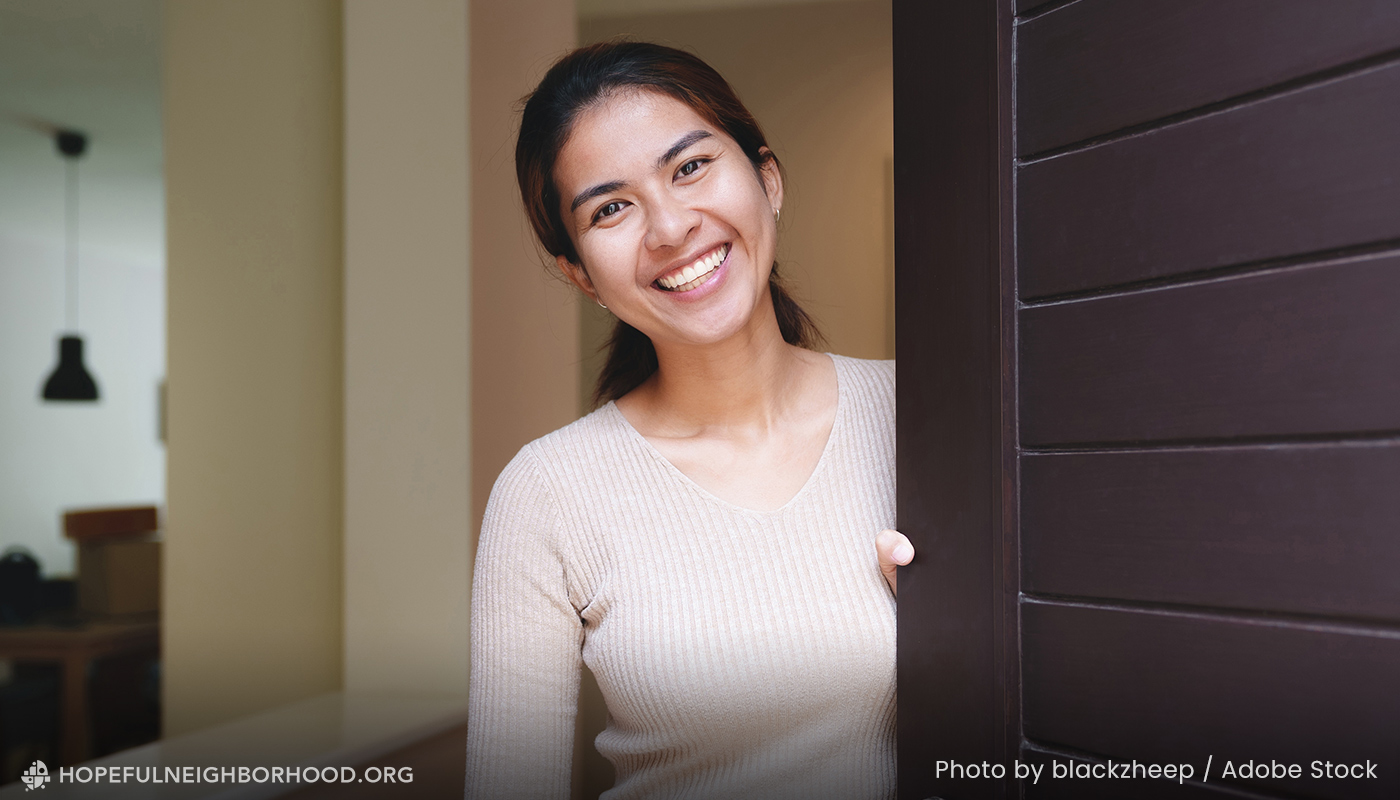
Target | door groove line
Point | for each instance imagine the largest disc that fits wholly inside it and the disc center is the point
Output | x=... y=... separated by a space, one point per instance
x=1041 y=10
x=1316 y=623
x=1010 y=355
x=1265 y=266
x=1230 y=790
x=1384 y=438
x=1301 y=83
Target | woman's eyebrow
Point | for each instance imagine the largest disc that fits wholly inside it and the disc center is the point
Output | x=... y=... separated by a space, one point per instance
x=590 y=193
x=680 y=145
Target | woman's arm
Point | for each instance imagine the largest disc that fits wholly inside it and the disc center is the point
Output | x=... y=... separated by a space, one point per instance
x=527 y=642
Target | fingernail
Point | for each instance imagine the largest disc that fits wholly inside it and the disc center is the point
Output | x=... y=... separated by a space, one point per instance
x=903 y=554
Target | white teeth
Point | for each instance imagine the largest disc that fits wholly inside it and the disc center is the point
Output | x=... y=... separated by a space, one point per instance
x=700 y=268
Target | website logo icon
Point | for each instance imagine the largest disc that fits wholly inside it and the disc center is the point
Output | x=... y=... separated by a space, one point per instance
x=35 y=777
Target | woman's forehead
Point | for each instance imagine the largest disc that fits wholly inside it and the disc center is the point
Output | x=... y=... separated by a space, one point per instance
x=628 y=131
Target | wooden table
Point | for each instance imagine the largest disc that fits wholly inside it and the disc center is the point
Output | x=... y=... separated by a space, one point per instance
x=75 y=648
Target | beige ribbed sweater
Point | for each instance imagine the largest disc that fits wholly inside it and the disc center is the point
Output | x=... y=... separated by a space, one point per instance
x=742 y=654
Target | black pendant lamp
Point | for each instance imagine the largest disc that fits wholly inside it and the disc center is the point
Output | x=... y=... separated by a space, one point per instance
x=70 y=380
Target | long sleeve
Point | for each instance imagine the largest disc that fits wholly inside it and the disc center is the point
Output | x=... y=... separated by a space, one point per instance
x=742 y=653
x=527 y=640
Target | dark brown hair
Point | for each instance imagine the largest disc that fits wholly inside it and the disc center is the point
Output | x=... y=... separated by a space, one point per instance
x=587 y=76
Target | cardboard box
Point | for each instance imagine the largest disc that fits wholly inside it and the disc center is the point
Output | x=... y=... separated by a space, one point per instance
x=119 y=577
x=95 y=524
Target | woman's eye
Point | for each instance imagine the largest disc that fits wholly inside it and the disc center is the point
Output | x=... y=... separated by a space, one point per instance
x=607 y=210
x=691 y=166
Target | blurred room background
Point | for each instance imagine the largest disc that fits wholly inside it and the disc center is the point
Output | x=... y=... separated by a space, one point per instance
x=319 y=326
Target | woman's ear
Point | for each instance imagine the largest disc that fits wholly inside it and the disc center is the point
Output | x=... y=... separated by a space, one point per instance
x=578 y=276
x=772 y=178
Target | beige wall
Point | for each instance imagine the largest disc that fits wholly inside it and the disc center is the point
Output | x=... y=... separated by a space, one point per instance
x=819 y=78
x=407 y=360
x=252 y=576
x=310 y=315
x=524 y=319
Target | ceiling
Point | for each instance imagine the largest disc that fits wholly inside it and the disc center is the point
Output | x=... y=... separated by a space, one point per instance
x=92 y=65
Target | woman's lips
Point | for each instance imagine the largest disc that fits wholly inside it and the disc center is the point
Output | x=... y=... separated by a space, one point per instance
x=694 y=275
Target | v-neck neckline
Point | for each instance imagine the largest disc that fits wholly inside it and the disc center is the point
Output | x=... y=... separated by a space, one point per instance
x=837 y=426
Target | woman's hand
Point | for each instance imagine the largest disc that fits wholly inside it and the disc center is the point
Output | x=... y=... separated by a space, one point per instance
x=893 y=550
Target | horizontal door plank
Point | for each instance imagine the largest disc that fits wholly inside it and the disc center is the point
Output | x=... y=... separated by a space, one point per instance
x=1309 y=171
x=1176 y=689
x=1096 y=66
x=1308 y=350
x=1309 y=529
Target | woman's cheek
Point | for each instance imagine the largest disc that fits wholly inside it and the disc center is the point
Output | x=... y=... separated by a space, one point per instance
x=616 y=260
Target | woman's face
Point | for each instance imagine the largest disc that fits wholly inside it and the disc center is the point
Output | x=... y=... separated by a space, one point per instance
x=673 y=225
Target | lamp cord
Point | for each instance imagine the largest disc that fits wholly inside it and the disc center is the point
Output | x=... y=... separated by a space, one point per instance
x=71 y=248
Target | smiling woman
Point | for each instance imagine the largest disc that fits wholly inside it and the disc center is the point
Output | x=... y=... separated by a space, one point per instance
x=712 y=541
x=649 y=74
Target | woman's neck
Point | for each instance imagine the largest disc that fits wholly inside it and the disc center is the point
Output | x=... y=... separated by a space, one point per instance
x=750 y=380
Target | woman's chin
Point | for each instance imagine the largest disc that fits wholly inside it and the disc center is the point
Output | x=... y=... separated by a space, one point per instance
x=717 y=311
x=712 y=329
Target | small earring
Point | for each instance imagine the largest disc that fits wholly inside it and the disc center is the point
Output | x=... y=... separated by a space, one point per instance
x=600 y=303
x=777 y=214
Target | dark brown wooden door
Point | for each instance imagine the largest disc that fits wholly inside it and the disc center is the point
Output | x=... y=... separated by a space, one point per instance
x=1148 y=272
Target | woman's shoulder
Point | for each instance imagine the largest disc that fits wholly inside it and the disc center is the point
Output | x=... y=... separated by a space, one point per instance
x=868 y=408
x=546 y=471
x=868 y=378
x=583 y=443
x=582 y=439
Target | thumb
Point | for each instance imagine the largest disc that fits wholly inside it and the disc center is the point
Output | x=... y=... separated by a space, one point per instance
x=893 y=550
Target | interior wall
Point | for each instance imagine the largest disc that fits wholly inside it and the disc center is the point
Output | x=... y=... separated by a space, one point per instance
x=407 y=417
x=93 y=66
x=253 y=165
x=818 y=76
x=525 y=352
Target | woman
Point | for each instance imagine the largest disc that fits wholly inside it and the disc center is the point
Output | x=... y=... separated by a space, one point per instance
x=709 y=541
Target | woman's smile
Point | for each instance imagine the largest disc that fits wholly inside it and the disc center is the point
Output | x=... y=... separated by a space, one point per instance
x=693 y=276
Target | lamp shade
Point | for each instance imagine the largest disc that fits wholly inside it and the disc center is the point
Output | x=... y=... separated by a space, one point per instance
x=70 y=380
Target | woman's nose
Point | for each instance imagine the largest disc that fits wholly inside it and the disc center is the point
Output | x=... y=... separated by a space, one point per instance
x=669 y=223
